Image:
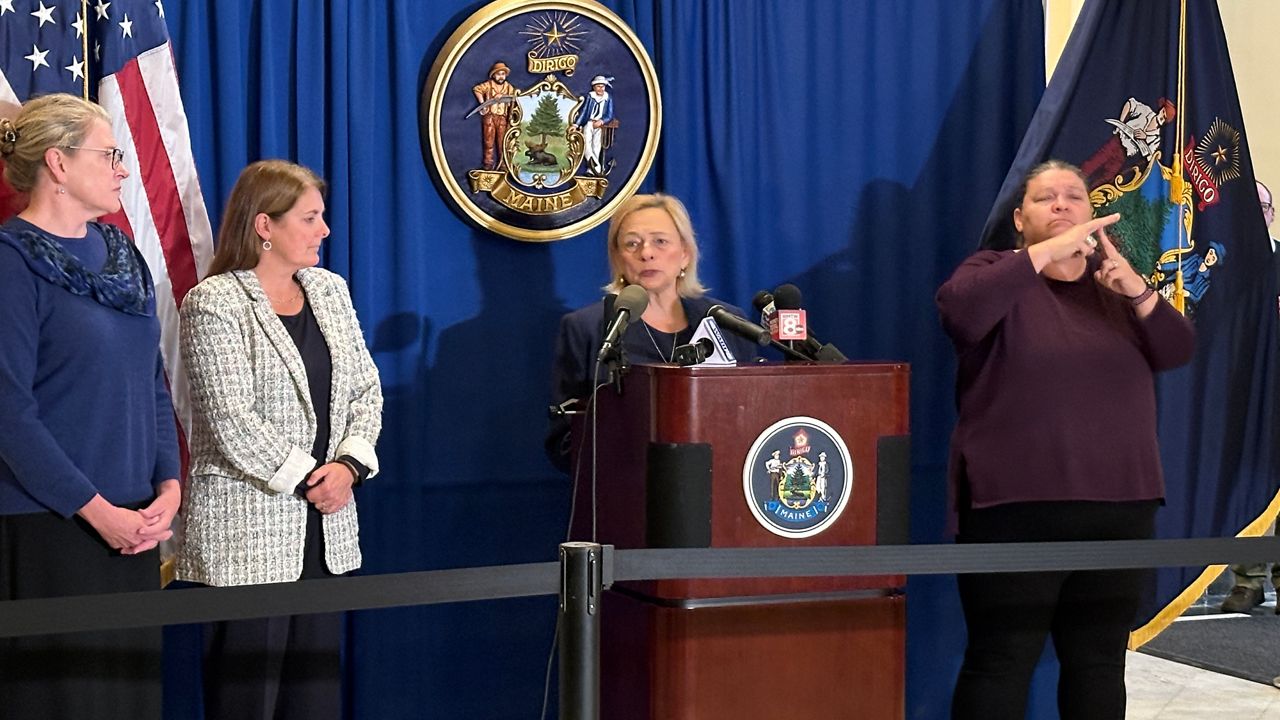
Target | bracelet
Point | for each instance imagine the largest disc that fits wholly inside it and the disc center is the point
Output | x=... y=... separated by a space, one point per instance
x=1141 y=297
x=362 y=472
x=355 y=474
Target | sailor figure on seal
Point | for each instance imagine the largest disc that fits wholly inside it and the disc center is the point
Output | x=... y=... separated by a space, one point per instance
x=597 y=123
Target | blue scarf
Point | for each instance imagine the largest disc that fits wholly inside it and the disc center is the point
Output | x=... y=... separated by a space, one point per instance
x=123 y=284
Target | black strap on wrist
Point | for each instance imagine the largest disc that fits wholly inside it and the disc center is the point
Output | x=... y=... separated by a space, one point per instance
x=357 y=468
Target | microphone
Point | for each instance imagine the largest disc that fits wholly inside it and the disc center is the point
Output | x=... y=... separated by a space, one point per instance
x=791 y=318
x=693 y=353
x=787 y=297
x=763 y=303
x=738 y=326
x=629 y=305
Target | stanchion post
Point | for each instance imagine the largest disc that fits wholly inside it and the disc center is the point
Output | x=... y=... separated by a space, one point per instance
x=581 y=583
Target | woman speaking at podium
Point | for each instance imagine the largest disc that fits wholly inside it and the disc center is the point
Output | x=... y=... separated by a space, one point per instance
x=651 y=245
x=1057 y=344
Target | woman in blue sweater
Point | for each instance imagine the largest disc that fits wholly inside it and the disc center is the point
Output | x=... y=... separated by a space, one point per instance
x=89 y=453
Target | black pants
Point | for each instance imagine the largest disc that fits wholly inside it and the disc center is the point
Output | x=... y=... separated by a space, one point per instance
x=279 y=668
x=1088 y=613
x=78 y=676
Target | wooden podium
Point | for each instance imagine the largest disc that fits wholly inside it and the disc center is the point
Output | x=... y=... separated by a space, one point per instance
x=684 y=461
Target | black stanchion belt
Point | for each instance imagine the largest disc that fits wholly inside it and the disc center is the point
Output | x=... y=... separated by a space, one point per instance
x=193 y=605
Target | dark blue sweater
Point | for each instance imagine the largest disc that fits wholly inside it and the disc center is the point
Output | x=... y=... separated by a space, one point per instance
x=83 y=399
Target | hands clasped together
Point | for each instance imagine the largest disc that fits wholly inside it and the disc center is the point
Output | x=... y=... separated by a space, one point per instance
x=135 y=531
x=330 y=487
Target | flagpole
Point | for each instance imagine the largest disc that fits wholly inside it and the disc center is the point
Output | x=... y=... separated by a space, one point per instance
x=84 y=47
x=1184 y=208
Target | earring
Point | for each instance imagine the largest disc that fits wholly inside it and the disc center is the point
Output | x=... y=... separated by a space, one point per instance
x=266 y=245
x=681 y=272
x=62 y=190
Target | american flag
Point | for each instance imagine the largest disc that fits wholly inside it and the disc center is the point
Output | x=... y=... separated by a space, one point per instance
x=120 y=51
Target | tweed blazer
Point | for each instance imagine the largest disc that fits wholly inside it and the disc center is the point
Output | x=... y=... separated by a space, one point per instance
x=253 y=426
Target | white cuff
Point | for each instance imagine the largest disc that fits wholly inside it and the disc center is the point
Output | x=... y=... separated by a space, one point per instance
x=295 y=469
x=360 y=449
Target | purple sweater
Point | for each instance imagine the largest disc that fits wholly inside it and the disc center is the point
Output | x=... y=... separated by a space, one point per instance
x=1054 y=386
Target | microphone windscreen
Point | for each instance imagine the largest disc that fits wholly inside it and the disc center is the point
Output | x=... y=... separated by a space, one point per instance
x=634 y=299
x=734 y=324
x=787 y=297
x=761 y=299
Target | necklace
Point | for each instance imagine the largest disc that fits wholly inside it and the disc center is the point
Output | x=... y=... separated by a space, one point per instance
x=665 y=358
x=285 y=301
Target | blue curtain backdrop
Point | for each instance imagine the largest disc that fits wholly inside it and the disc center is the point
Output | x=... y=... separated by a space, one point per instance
x=852 y=147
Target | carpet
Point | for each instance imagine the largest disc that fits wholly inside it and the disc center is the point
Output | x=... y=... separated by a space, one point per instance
x=1243 y=646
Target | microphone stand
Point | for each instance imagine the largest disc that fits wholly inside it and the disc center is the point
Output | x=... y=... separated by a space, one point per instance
x=790 y=352
x=616 y=360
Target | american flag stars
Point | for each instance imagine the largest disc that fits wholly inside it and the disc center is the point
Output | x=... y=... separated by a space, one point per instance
x=44 y=14
x=37 y=58
x=76 y=68
x=46 y=39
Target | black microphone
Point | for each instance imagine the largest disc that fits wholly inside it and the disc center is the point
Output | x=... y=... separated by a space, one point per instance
x=764 y=304
x=761 y=300
x=789 y=319
x=787 y=297
x=693 y=353
x=738 y=326
x=629 y=305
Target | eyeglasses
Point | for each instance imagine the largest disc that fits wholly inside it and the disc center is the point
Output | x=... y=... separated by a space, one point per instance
x=1266 y=206
x=117 y=155
x=633 y=245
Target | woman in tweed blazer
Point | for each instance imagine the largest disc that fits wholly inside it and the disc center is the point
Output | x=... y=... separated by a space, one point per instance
x=287 y=410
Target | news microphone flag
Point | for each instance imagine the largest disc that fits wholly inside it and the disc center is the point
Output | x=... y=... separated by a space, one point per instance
x=721 y=355
x=1144 y=102
x=790 y=325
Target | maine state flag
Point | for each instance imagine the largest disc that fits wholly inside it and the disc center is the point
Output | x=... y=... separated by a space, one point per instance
x=1144 y=102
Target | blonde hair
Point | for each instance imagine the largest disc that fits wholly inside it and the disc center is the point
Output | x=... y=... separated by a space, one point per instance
x=266 y=186
x=687 y=286
x=57 y=120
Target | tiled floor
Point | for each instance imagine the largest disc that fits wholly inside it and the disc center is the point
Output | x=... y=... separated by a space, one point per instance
x=1164 y=690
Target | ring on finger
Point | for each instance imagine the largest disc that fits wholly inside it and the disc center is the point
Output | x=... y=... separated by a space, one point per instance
x=1091 y=241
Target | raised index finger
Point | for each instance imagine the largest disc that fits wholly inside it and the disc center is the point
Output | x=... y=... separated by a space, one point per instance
x=1107 y=247
x=1104 y=221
